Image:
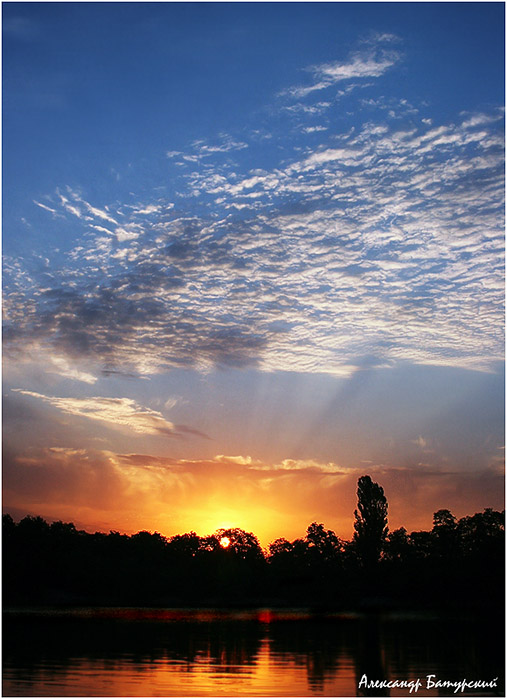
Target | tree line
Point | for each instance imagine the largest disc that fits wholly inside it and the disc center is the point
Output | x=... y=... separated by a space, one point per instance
x=458 y=563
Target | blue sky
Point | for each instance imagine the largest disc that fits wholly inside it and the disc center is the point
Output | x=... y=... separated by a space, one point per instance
x=251 y=251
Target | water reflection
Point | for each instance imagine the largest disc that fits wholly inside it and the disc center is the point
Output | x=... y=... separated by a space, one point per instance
x=204 y=653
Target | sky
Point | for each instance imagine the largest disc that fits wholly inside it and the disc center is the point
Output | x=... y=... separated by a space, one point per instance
x=252 y=252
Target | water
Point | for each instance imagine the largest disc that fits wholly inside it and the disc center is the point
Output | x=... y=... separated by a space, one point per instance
x=152 y=653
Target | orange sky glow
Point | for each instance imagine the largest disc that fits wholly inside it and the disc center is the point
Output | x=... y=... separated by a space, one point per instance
x=105 y=491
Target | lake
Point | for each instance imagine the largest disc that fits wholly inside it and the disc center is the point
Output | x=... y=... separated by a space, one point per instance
x=163 y=652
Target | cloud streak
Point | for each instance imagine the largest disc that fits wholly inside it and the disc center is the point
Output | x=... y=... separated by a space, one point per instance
x=372 y=61
x=119 y=413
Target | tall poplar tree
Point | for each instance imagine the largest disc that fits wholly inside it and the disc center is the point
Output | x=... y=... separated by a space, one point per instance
x=370 y=521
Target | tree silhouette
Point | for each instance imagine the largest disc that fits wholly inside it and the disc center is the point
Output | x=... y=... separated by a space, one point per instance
x=324 y=541
x=279 y=547
x=445 y=533
x=457 y=564
x=241 y=544
x=185 y=545
x=482 y=534
x=397 y=546
x=370 y=521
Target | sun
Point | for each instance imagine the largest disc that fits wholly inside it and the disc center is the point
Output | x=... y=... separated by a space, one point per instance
x=225 y=542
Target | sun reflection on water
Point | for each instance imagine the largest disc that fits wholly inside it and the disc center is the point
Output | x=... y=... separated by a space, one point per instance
x=186 y=652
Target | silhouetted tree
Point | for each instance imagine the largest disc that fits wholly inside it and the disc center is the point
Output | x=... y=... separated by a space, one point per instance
x=33 y=528
x=443 y=519
x=8 y=526
x=370 y=521
x=185 y=545
x=397 y=546
x=244 y=545
x=483 y=533
x=421 y=544
x=324 y=541
x=208 y=544
x=280 y=547
x=445 y=534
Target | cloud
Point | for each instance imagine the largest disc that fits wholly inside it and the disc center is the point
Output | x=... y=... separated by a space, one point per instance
x=480 y=119
x=119 y=413
x=381 y=240
x=241 y=460
x=421 y=442
x=68 y=206
x=100 y=214
x=307 y=109
x=61 y=366
x=74 y=203
x=202 y=149
x=304 y=465
x=371 y=62
x=314 y=129
x=358 y=67
x=43 y=206
x=62 y=483
x=184 y=429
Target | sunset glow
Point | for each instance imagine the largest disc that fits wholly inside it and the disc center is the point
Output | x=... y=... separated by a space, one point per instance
x=252 y=252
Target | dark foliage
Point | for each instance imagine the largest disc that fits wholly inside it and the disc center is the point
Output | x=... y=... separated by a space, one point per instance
x=458 y=564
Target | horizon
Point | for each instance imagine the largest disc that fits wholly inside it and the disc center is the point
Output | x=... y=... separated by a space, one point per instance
x=223 y=530
x=251 y=252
